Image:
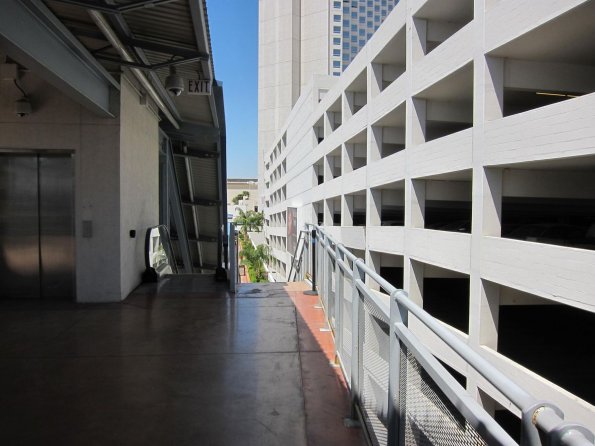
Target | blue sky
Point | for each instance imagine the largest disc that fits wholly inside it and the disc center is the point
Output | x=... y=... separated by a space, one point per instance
x=234 y=37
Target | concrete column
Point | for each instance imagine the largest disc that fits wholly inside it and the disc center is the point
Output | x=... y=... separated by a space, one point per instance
x=413 y=280
x=374 y=80
x=415 y=192
x=419 y=38
x=494 y=88
x=347 y=203
x=348 y=99
x=328 y=121
x=328 y=212
x=418 y=121
x=373 y=259
x=374 y=207
x=328 y=168
x=347 y=158
x=492 y=202
x=375 y=143
x=484 y=328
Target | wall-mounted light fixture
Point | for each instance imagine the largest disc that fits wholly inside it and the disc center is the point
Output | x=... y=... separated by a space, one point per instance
x=10 y=72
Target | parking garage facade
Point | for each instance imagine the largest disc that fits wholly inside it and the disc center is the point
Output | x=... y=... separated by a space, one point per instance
x=456 y=155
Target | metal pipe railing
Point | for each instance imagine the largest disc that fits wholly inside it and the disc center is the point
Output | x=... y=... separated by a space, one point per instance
x=542 y=422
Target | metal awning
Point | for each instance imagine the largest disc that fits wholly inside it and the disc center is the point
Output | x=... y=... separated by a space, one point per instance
x=143 y=38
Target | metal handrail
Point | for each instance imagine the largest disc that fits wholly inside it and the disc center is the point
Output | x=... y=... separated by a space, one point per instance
x=538 y=417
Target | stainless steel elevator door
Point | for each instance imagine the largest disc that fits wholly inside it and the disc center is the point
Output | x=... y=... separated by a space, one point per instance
x=19 y=227
x=56 y=226
x=36 y=226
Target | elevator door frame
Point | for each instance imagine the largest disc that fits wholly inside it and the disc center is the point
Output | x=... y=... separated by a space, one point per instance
x=56 y=247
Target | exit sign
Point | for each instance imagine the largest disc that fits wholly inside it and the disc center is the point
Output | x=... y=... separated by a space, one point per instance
x=199 y=86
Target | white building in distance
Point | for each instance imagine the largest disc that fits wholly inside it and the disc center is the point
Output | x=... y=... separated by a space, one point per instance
x=456 y=155
x=299 y=39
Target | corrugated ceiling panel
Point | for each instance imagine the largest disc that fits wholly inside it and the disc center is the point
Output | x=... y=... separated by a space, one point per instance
x=204 y=178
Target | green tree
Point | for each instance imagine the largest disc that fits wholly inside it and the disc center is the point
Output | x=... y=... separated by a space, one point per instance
x=256 y=220
x=255 y=259
x=249 y=220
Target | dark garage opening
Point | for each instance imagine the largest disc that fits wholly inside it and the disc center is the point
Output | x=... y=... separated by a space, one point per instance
x=555 y=341
x=447 y=299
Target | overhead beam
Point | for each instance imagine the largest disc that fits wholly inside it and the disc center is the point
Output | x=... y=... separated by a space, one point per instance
x=120 y=27
x=51 y=51
x=194 y=133
x=201 y=238
x=201 y=202
x=175 y=49
x=170 y=48
x=115 y=9
x=148 y=67
x=197 y=153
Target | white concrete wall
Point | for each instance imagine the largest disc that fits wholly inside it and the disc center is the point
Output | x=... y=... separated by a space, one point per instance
x=139 y=182
x=116 y=178
x=58 y=123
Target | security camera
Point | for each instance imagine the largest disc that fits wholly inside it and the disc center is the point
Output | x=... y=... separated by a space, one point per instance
x=22 y=107
x=174 y=84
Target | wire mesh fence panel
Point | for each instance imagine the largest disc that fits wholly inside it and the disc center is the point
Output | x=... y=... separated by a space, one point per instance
x=305 y=266
x=331 y=291
x=346 y=335
x=321 y=276
x=427 y=415
x=374 y=358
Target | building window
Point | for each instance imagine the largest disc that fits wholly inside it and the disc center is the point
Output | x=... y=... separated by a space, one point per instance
x=354 y=27
x=336 y=73
x=362 y=19
x=336 y=64
x=337 y=29
x=362 y=42
x=337 y=5
x=336 y=41
x=362 y=32
x=337 y=18
x=354 y=38
x=345 y=45
x=336 y=52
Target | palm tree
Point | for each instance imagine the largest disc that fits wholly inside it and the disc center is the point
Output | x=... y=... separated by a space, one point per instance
x=249 y=220
x=256 y=220
x=255 y=258
x=241 y=219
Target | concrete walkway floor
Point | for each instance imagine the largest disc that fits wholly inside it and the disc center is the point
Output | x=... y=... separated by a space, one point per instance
x=179 y=363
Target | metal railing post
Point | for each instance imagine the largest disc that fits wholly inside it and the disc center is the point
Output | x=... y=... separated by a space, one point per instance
x=339 y=290
x=355 y=353
x=396 y=417
x=313 y=291
x=233 y=265
x=327 y=278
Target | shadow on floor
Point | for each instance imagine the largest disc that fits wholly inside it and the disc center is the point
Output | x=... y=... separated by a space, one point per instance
x=181 y=362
